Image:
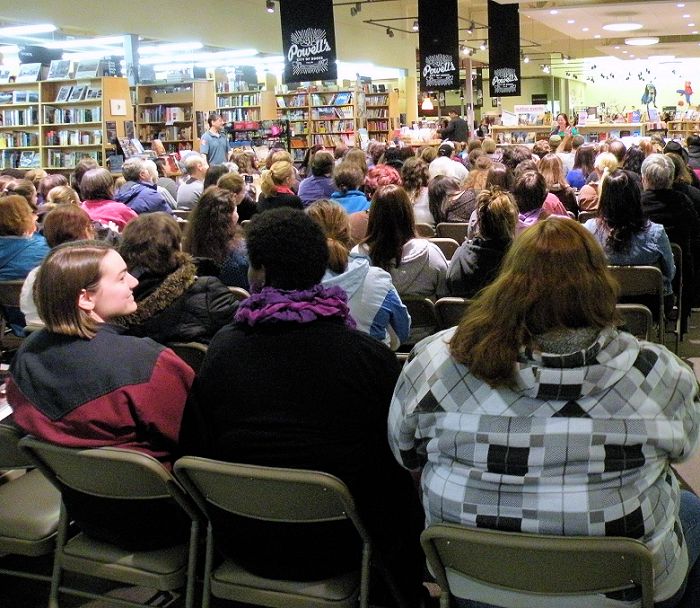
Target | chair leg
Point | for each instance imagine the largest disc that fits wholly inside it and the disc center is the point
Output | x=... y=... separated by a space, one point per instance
x=208 y=564
x=61 y=536
x=191 y=564
x=365 y=575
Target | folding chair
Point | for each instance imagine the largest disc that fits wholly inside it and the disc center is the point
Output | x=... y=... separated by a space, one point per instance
x=192 y=353
x=29 y=506
x=637 y=319
x=452 y=230
x=9 y=303
x=676 y=323
x=424 y=230
x=274 y=495
x=449 y=311
x=643 y=285
x=239 y=293
x=183 y=214
x=584 y=216
x=109 y=493
x=509 y=568
x=447 y=246
x=423 y=320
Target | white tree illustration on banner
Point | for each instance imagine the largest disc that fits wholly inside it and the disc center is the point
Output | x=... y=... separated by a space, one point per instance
x=307 y=45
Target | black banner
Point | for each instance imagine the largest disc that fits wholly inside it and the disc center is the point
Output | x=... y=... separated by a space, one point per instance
x=438 y=38
x=308 y=40
x=504 y=49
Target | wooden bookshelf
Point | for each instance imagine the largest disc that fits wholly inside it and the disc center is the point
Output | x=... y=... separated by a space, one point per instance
x=333 y=118
x=175 y=113
x=683 y=128
x=53 y=124
x=381 y=112
x=294 y=108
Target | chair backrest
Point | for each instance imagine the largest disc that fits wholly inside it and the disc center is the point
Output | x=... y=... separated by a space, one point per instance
x=452 y=230
x=636 y=281
x=422 y=311
x=502 y=563
x=449 y=311
x=183 y=214
x=637 y=319
x=255 y=492
x=9 y=293
x=11 y=457
x=447 y=246
x=192 y=353
x=424 y=230
x=584 y=216
x=239 y=293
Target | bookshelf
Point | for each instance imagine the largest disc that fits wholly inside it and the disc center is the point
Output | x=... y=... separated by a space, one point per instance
x=53 y=124
x=382 y=115
x=682 y=128
x=175 y=113
x=294 y=108
x=333 y=118
x=248 y=115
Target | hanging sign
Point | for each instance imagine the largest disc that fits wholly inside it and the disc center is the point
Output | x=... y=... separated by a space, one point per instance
x=504 y=49
x=439 y=46
x=308 y=40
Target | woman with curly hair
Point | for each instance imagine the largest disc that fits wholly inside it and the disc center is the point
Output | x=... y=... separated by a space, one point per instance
x=414 y=175
x=212 y=233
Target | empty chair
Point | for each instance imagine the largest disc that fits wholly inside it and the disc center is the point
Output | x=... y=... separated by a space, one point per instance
x=449 y=311
x=423 y=319
x=29 y=506
x=452 y=230
x=192 y=353
x=132 y=514
x=424 y=230
x=509 y=568
x=284 y=496
x=446 y=245
x=636 y=320
x=643 y=285
x=674 y=318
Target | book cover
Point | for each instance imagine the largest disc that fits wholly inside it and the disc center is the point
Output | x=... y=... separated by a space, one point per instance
x=88 y=69
x=59 y=69
x=77 y=93
x=63 y=93
x=29 y=72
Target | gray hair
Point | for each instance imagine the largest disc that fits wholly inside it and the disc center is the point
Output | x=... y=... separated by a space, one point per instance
x=658 y=172
x=132 y=168
x=192 y=161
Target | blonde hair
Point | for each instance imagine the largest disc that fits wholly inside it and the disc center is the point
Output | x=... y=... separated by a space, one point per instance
x=275 y=176
x=334 y=222
x=476 y=178
x=497 y=214
x=552 y=169
x=605 y=160
x=554 y=276
x=62 y=195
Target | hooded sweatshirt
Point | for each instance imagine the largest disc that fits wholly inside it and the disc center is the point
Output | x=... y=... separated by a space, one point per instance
x=580 y=444
x=374 y=302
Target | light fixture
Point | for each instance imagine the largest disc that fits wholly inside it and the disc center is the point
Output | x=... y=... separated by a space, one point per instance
x=25 y=30
x=170 y=47
x=526 y=59
x=389 y=32
x=415 y=26
x=74 y=43
x=468 y=50
x=565 y=58
x=270 y=6
x=356 y=9
x=686 y=16
x=585 y=29
x=554 y=12
x=482 y=46
x=642 y=41
x=596 y=36
x=691 y=25
x=427 y=103
x=571 y=21
x=470 y=28
x=622 y=27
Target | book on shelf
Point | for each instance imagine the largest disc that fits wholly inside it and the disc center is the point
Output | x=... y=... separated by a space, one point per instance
x=4 y=78
x=64 y=93
x=29 y=160
x=93 y=93
x=77 y=93
x=88 y=69
x=29 y=72
x=59 y=69
x=24 y=117
x=18 y=139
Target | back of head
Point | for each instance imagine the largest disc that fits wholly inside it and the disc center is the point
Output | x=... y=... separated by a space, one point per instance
x=657 y=172
x=488 y=145
x=620 y=209
x=16 y=216
x=63 y=195
x=231 y=181
x=499 y=175
x=83 y=166
x=554 y=141
x=476 y=178
x=381 y=175
x=132 y=168
x=552 y=170
x=693 y=140
x=376 y=151
x=446 y=149
x=428 y=154
x=541 y=148
x=274 y=177
x=23 y=188
x=497 y=214
x=390 y=226
x=514 y=155
x=289 y=246
x=348 y=176
x=243 y=160
x=584 y=159
x=214 y=172
x=634 y=157
x=210 y=229
x=67 y=271
x=414 y=173
x=439 y=188
x=67 y=223
x=358 y=158
x=278 y=155
x=619 y=149
x=97 y=184
x=193 y=162
x=577 y=141
x=322 y=163
x=473 y=144
x=605 y=160
x=334 y=222
x=51 y=181
x=151 y=243
x=681 y=175
x=554 y=277
x=529 y=191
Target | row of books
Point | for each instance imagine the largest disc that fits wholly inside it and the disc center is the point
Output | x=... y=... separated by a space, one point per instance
x=378 y=125
x=18 y=139
x=167 y=114
x=78 y=93
x=56 y=116
x=297 y=101
x=378 y=113
x=335 y=126
x=14 y=159
x=330 y=141
x=377 y=100
x=14 y=118
x=331 y=112
x=59 y=159
x=249 y=99
x=241 y=114
x=331 y=99
x=68 y=137
x=293 y=115
x=19 y=97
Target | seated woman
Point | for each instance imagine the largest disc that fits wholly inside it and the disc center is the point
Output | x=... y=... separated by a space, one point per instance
x=604 y=163
x=21 y=246
x=135 y=392
x=348 y=179
x=374 y=302
x=624 y=232
x=477 y=261
x=213 y=233
x=261 y=405
x=417 y=266
x=378 y=176
x=276 y=186
x=97 y=191
x=414 y=175
x=552 y=169
x=319 y=183
x=175 y=304
x=243 y=194
x=557 y=422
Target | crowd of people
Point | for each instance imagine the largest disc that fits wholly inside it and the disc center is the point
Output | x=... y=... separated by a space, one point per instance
x=536 y=413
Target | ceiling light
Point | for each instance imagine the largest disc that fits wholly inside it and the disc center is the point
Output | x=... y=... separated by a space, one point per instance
x=415 y=26
x=570 y=21
x=642 y=41
x=545 y=69
x=526 y=59
x=694 y=32
x=467 y=51
x=171 y=47
x=691 y=25
x=81 y=42
x=622 y=27
x=554 y=12
x=24 y=30
x=596 y=36
x=617 y=48
x=427 y=104
x=686 y=16
x=87 y=55
x=470 y=27
x=389 y=32
x=624 y=52
x=585 y=29
x=680 y=5
x=482 y=46
x=270 y=6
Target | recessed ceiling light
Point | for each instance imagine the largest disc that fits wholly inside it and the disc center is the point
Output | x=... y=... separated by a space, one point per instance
x=694 y=32
x=686 y=16
x=622 y=27
x=596 y=36
x=680 y=5
x=642 y=41
x=631 y=54
x=691 y=25
x=554 y=12
x=570 y=21
x=624 y=52
x=584 y=29
x=617 y=48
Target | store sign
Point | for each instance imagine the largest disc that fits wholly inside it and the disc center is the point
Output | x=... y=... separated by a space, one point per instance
x=439 y=46
x=308 y=40
x=504 y=49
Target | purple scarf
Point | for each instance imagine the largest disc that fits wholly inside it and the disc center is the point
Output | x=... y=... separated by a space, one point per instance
x=273 y=305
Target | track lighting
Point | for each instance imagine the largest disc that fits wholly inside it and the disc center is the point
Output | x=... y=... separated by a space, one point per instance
x=526 y=59
x=482 y=46
x=270 y=6
x=355 y=9
x=470 y=28
x=415 y=26
x=389 y=32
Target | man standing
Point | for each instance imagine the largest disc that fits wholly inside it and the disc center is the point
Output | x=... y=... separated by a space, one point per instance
x=456 y=130
x=214 y=143
x=191 y=188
